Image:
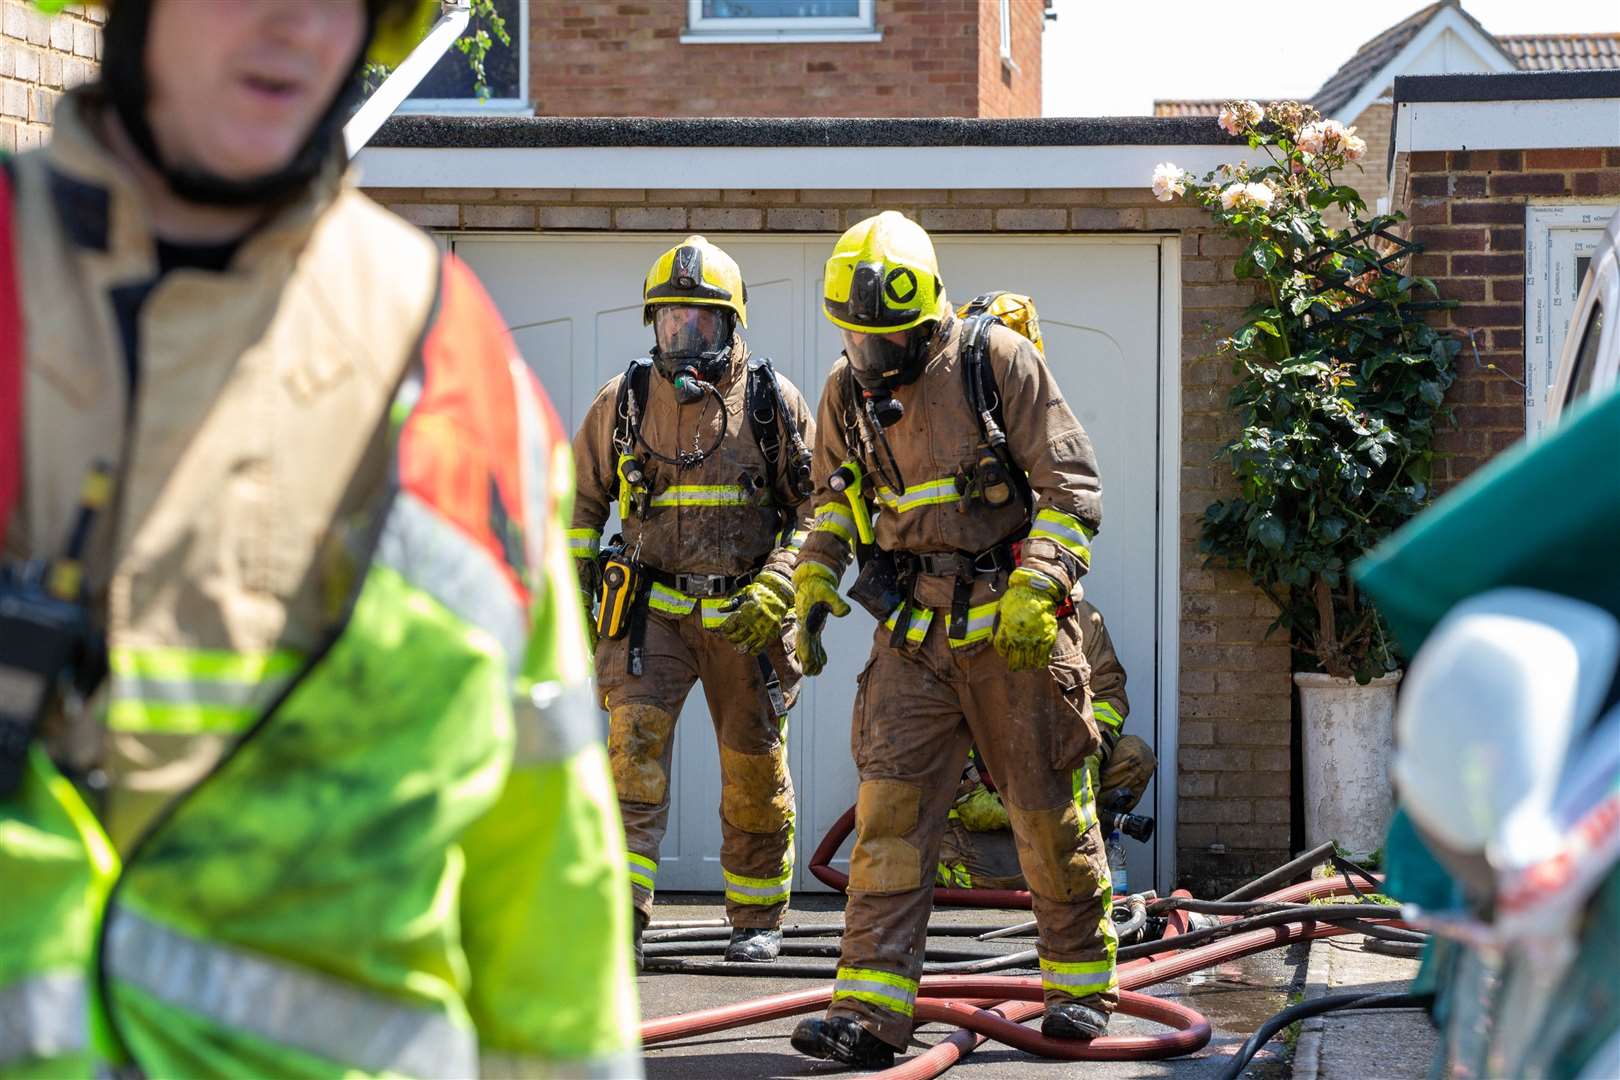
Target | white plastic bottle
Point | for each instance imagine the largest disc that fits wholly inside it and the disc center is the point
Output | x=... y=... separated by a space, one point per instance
x=1116 y=862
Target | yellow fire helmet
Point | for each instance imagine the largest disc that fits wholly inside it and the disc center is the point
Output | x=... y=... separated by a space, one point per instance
x=695 y=272
x=1015 y=310
x=883 y=277
x=400 y=25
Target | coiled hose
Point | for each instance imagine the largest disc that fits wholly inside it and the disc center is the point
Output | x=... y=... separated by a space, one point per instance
x=986 y=1007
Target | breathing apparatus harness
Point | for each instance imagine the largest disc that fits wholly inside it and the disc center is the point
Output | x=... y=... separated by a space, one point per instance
x=625 y=580
x=690 y=389
x=884 y=580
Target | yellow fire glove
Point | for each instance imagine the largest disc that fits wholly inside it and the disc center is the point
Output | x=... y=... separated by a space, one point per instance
x=814 y=585
x=1026 y=623
x=757 y=610
x=980 y=810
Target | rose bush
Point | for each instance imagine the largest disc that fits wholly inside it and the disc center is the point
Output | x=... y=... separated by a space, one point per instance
x=1341 y=383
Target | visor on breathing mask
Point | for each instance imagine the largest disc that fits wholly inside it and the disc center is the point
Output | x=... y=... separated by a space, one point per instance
x=880 y=362
x=691 y=335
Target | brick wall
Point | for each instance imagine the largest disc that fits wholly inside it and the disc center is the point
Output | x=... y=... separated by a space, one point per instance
x=1368 y=175
x=1235 y=685
x=41 y=56
x=1011 y=89
x=610 y=58
x=1468 y=210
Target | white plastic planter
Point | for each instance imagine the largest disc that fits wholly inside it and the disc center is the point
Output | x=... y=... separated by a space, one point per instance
x=1349 y=739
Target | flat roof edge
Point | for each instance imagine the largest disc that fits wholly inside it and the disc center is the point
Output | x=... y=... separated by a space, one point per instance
x=1509 y=86
x=534 y=132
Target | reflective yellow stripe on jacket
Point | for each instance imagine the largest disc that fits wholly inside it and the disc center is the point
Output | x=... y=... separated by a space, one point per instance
x=981 y=623
x=1065 y=530
x=916 y=496
x=662 y=598
x=703 y=495
x=194 y=691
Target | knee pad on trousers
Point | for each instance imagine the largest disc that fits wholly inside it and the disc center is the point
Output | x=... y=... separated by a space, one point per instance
x=756 y=794
x=883 y=860
x=1051 y=853
x=1129 y=767
x=637 y=736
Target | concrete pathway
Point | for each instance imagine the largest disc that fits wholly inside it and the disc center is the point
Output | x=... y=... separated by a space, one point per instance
x=1365 y=1044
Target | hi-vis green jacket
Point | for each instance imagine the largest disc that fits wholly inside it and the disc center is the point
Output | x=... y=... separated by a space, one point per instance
x=354 y=817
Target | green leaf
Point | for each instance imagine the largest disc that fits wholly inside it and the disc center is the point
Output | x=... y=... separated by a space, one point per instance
x=1269 y=531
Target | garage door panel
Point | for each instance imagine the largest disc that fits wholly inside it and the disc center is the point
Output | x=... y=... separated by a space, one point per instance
x=579 y=301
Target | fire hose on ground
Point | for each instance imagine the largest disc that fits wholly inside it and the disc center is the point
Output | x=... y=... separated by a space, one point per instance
x=982 y=1006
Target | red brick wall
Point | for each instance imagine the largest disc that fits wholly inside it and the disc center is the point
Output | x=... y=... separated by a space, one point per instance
x=611 y=58
x=1467 y=208
x=41 y=56
x=1011 y=89
x=1235 y=685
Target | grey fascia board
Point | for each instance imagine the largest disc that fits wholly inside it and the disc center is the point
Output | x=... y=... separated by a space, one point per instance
x=530 y=132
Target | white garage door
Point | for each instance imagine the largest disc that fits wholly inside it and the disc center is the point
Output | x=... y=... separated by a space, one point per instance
x=574 y=305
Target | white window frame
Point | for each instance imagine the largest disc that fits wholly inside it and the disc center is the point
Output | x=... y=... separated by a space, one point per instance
x=519 y=105
x=1006 y=33
x=1555 y=235
x=710 y=30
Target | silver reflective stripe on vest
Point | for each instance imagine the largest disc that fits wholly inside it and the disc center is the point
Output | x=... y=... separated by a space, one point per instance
x=554 y=722
x=231 y=695
x=43 y=1016
x=624 y=1065
x=436 y=557
x=294 y=1007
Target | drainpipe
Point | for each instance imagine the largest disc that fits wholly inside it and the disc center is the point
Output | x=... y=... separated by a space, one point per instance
x=453 y=18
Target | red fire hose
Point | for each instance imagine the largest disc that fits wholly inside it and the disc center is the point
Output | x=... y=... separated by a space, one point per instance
x=960 y=1000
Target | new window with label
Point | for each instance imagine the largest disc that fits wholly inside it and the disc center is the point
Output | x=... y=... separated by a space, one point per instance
x=450 y=86
x=775 y=19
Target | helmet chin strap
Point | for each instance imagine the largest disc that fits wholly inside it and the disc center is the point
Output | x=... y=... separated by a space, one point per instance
x=124 y=81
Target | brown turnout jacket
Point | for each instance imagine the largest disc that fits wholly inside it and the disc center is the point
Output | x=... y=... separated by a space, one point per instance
x=937 y=439
x=700 y=520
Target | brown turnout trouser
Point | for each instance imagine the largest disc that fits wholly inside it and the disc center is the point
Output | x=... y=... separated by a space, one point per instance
x=756 y=793
x=917 y=711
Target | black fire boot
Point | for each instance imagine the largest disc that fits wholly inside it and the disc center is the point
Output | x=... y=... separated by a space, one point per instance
x=1071 y=1020
x=641 y=928
x=842 y=1039
x=754 y=945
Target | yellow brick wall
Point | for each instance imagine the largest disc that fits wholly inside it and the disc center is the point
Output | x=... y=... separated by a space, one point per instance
x=40 y=57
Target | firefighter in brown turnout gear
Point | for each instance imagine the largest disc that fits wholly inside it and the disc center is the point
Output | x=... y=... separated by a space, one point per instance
x=947 y=460
x=706 y=452
x=978 y=851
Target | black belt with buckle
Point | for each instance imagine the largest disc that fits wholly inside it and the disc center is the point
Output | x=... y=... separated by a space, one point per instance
x=703 y=585
x=962 y=566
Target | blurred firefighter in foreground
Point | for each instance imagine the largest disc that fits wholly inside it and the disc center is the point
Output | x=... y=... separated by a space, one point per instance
x=985 y=492
x=977 y=850
x=300 y=773
x=706 y=452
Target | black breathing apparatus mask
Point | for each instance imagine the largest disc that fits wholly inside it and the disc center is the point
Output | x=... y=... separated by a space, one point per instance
x=693 y=347
x=881 y=364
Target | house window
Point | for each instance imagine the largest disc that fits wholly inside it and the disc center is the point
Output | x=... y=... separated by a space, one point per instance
x=1559 y=241
x=449 y=87
x=779 y=20
x=1006 y=30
